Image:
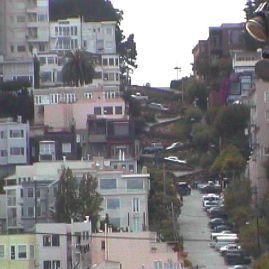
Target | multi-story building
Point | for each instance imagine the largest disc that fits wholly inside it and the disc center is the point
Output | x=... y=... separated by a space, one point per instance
x=49 y=245
x=30 y=192
x=112 y=137
x=14 y=142
x=258 y=102
x=225 y=39
x=54 y=146
x=24 y=29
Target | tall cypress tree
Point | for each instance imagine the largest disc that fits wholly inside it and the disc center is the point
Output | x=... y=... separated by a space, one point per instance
x=89 y=199
x=66 y=198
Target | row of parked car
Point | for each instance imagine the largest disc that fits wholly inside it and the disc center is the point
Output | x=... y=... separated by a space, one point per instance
x=224 y=237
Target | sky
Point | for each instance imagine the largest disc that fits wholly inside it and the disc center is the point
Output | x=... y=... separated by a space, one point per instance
x=165 y=33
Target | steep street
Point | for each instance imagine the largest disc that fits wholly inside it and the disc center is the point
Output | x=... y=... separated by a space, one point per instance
x=196 y=234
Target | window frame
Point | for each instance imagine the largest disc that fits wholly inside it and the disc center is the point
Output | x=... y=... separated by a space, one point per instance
x=4 y=252
x=18 y=252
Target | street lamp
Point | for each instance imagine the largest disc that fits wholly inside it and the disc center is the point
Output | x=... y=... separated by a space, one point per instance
x=179 y=70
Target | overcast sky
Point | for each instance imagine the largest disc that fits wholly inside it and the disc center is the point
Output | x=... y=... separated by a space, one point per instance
x=166 y=32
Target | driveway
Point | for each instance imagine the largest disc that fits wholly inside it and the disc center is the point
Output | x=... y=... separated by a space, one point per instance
x=196 y=234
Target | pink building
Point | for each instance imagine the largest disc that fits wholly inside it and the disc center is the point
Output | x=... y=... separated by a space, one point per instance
x=134 y=251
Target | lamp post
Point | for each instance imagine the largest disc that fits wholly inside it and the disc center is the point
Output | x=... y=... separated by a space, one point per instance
x=179 y=70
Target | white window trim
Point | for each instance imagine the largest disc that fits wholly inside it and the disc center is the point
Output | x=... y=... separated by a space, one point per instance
x=5 y=252
x=10 y=252
x=18 y=251
x=133 y=205
x=265 y=96
x=88 y=95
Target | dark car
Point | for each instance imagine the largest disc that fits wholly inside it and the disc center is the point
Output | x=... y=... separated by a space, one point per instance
x=216 y=222
x=222 y=227
x=217 y=212
x=183 y=188
x=211 y=189
x=236 y=257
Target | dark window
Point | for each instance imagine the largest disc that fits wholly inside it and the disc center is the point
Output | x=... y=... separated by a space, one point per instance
x=30 y=192
x=55 y=240
x=97 y=110
x=105 y=62
x=118 y=110
x=21 y=192
x=103 y=244
x=112 y=203
x=47 y=265
x=108 y=183
x=108 y=110
x=111 y=61
x=46 y=241
x=37 y=192
x=135 y=184
x=21 y=48
x=121 y=128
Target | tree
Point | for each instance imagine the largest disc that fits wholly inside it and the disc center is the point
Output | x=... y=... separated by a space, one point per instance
x=79 y=69
x=66 y=206
x=230 y=162
x=192 y=115
x=90 y=200
x=262 y=262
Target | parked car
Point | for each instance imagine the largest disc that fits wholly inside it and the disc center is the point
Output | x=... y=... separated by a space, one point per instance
x=210 y=204
x=175 y=160
x=138 y=96
x=210 y=197
x=175 y=145
x=217 y=212
x=153 y=148
x=222 y=227
x=229 y=247
x=211 y=189
x=224 y=233
x=157 y=106
x=236 y=258
x=216 y=222
x=183 y=188
x=238 y=267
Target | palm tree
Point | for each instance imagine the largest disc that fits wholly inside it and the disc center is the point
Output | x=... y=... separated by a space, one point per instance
x=79 y=69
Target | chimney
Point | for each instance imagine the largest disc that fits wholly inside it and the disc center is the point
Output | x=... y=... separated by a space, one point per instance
x=19 y=119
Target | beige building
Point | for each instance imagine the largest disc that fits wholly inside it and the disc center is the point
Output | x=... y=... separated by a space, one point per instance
x=134 y=251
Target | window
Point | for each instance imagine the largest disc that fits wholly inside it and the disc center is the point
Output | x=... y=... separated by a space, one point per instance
x=21 y=192
x=97 y=110
x=112 y=203
x=21 y=48
x=108 y=183
x=266 y=97
x=88 y=95
x=121 y=128
x=267 y=114
x=12 y=253
x=109 y=31
x=42 y=17
x=41 y=47
x=51 y=240
x=3 y=134
x=115 y=222
x=135 y=205
x=51 y=60
x=30 y=192
x=37 y=192
x=22 y=253
x=46 y=241
x=111 y=61
x=30 y=211
x=134 y=184
x=16 y=151
x=55 y=98
x=2 y=251
x=266 y=151
x=108 y=110
x=20 y=18
x=66 y=147
x=32 y=252
x=118 y=110
x=69 y=97
x=3 y=152
x=46 y=148
x=16 y=133
x=109 y=76
x=103 y=244
x=47 y=265
x=38 y=211
x=11 y=48
x=105 y=61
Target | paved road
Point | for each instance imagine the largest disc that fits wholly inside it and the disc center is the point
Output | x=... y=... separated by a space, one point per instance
x=193 y=227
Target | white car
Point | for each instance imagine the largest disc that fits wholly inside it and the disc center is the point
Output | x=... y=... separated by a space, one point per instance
x=229 y=247
x=175 y=160
x=238 y=267
x=175 y=145
x=224 y=233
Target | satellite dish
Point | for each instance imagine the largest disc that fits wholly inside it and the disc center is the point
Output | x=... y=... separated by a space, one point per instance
x=262 y=69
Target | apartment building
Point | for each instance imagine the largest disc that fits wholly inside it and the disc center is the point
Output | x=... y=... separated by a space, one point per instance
x=49 y=245
x=14 y=142
x=24 y=29
x=31 y=192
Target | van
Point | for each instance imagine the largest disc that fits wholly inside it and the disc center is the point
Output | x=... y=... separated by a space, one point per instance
x=183 y=188
x=221 y=241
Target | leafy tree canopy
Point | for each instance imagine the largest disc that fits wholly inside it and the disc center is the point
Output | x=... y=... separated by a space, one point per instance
x=192 y=115
x=230 y=161
x=262 y=262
